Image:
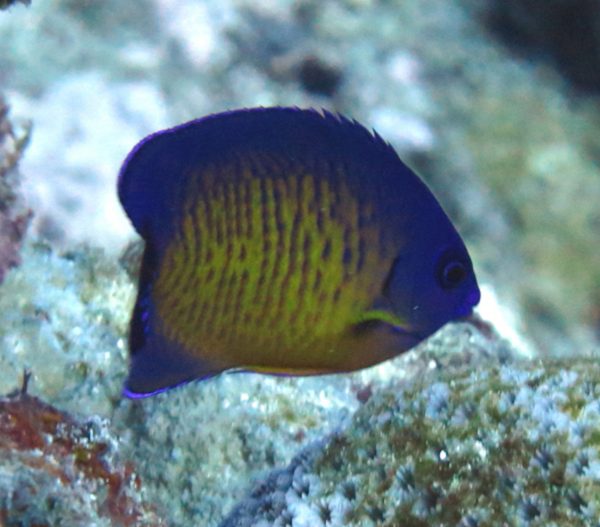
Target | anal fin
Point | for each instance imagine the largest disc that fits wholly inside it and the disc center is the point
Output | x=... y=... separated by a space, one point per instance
x=159 y=366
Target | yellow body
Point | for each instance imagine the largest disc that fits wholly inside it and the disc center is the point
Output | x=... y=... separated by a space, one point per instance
x=270 y=268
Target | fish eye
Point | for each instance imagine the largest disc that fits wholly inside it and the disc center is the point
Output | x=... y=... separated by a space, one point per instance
x=451 y=272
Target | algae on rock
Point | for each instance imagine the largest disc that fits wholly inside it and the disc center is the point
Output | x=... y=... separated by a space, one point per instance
x=55 y=470
x=505 y=444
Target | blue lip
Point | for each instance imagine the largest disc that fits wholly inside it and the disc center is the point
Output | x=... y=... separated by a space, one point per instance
x=474 y=297
x=465 y=311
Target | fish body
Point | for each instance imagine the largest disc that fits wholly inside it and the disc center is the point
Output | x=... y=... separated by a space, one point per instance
x=285 y=241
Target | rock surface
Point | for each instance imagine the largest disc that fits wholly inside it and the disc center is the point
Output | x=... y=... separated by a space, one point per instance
x=55 y=470
x=567 y=31
x=498 y=444
x=64 y=318
x=14 y=216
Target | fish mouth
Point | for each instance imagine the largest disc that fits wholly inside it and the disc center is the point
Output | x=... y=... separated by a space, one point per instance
x=468 y=307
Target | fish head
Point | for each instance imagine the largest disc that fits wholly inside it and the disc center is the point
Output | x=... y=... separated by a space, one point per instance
x=431 y=283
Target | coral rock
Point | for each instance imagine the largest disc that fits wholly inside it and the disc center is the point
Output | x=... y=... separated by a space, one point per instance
x=14 y=217
x=55 y=470
x=508 y=444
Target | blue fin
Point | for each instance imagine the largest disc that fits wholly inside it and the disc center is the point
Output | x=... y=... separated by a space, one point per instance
x=152 y=173
x=156 y=364
x=160 y=366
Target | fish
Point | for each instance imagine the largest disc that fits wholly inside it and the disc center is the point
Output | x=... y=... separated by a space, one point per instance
x=283 y=241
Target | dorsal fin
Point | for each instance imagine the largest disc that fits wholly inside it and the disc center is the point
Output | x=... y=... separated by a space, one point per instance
x=154 y=167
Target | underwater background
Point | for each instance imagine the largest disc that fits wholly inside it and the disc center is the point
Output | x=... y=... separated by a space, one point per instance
x=493 y=102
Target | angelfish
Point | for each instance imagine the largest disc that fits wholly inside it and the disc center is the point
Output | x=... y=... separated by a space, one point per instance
x=283 y=241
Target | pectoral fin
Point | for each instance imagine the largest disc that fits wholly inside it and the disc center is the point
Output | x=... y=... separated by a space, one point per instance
x=378 y=336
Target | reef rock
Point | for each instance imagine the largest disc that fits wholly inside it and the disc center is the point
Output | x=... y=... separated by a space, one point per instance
x=507 y=444
x=55 y=470
x=14 y=217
